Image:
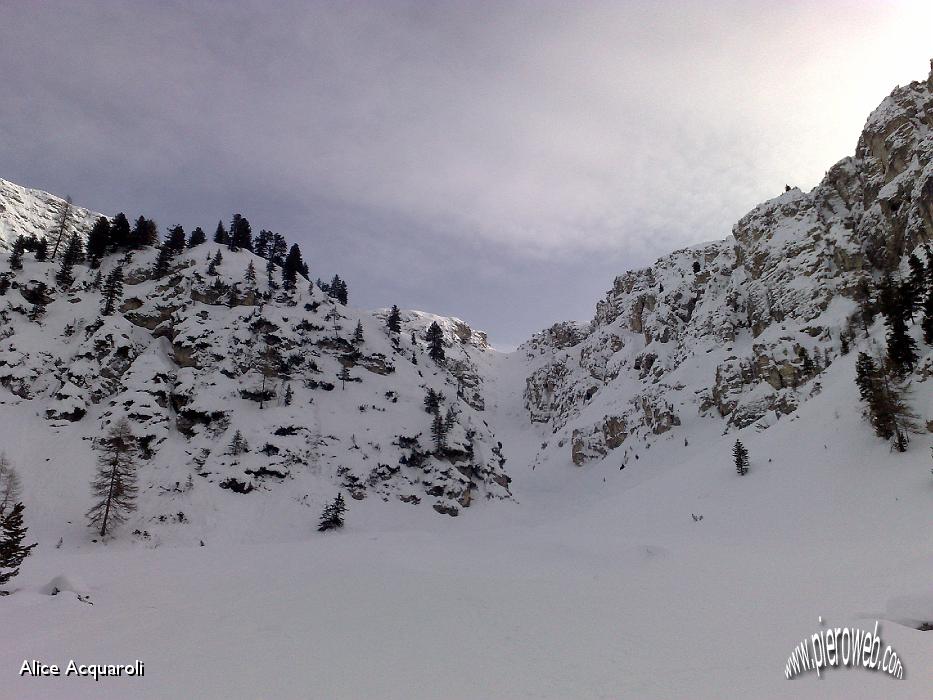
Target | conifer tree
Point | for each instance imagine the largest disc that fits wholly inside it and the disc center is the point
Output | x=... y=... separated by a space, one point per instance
x=432 y=401
x=4 y=283
x=927 y=325
x=250 y=274
x=887 y=407
x=144 y=233
x=113 y=291
x=866 y=376
x=261 y=245
x=75 y=248
x=214 y=263
x=238 y=445
x=435 y=338
x=889 y=296
x=198 y=237
x=42 y=250
x=451 y=418
x=278 y=248
x=119 y=232
x=241 y=234
x=64 y=277
x=289 y=395
x=439 y=432
x=270 y=280
x=220 y=235
x=12 y=550
x=162 y=261
x=358 y=333
x=844 y=342
x=292 y=267
x=394 y=320
x=740 y=456
x=344 y=377
x=98 y=241
x=65 y=274
x=175 y=241
x=332 y=517
x=337 y=289
x=16 y=254
x=902 y=348
x=244 y=235
x=115 y=483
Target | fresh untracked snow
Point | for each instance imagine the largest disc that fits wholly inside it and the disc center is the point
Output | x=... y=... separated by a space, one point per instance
x=586 y=589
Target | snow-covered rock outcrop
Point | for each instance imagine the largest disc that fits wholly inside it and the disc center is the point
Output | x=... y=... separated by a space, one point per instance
x=29 y=212
x=204 y=353
x=740 y=329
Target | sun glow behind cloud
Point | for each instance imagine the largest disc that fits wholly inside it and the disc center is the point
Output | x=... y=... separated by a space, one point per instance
x=518 y=137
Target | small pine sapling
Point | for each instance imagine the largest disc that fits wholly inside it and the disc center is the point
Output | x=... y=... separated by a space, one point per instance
x=740 y=455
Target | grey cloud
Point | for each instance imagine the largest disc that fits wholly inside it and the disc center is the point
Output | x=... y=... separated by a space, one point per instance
x=509 y=157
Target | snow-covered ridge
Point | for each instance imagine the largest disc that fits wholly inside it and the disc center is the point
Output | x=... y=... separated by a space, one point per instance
x=739 y=330
x=29 y=212
x=206 y=352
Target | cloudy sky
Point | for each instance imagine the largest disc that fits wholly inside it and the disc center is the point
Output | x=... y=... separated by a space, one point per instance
x=497 y=161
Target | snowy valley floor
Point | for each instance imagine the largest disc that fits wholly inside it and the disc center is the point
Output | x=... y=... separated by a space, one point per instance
x=585 y=588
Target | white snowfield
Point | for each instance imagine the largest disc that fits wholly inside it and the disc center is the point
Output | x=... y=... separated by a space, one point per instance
x=583 y=533
x=586 y=589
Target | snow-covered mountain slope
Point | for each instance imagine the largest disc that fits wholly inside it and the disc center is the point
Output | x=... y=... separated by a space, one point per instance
x=28 y=212
x=186 y=358
x=740 y=330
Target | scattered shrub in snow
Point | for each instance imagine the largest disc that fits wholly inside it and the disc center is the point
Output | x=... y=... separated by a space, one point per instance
x=236 y=485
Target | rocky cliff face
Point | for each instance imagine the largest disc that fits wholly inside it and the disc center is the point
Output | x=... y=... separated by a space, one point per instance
x=202 y=353
x=739 y=330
